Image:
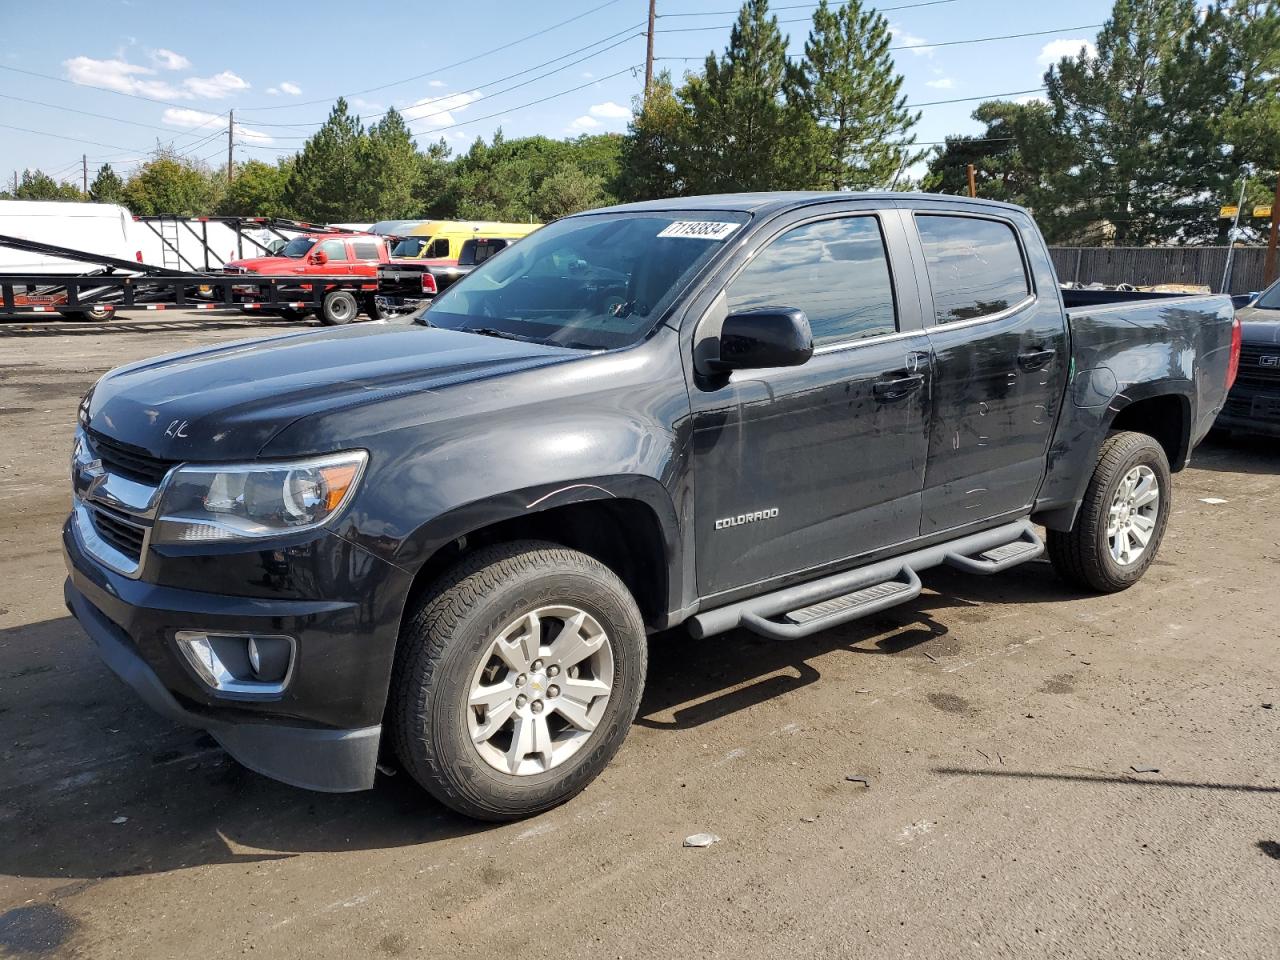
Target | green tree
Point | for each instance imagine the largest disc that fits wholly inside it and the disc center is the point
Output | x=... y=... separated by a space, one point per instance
x=171 y=184
x=854 y=92
x=325 y=183
x=1138 y=164
x=434 y=193
x=107 y=187
x=390 y=169
x=746 y=130
x=1010 y=157
x=649 y=164
x=257 y=190
x=568 y=189
x=38 y=185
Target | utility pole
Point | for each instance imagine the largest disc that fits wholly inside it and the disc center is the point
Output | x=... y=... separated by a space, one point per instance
x=84 y=170
x=973 y=180
x=231 y=143
x=648 y=59
x=1269 y=266
x=15 y=183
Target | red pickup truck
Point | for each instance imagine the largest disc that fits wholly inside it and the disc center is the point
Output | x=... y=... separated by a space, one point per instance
x=327 y=255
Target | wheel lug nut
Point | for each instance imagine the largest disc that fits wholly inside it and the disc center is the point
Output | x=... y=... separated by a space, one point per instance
x=537 y=706
x=521 y=701
x=520 y=680
x=553 y=671
x=537 y=665
x=553 y=691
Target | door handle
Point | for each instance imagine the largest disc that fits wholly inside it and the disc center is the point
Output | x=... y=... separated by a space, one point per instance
x=1035 y=359
x=892 y=387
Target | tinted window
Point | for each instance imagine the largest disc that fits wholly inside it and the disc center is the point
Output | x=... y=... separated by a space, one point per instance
x=365 y=249
x=409 y=247
x=438 y=249
x=478 y=251
x=1270 y=299
x=297 y=247
x=589 y=281
x=975 y=266
x=836 y=271
x=334 y=249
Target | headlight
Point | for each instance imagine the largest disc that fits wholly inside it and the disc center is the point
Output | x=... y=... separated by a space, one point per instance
x=82 y=411
x=248 y=501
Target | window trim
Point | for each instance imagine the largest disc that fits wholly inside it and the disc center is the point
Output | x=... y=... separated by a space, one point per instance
x=1033 y=294
x=849 y=343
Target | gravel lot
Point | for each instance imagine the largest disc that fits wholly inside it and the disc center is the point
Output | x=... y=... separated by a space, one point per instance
x=999 y=722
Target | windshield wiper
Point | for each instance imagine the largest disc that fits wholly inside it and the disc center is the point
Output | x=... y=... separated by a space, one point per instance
x=506 y=335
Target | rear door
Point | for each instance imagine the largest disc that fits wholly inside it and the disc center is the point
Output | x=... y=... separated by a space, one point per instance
x=803 y=467
x=365 y=257
x=1000 y=363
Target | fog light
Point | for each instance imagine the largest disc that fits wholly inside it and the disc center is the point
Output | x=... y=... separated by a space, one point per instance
x=241 y=664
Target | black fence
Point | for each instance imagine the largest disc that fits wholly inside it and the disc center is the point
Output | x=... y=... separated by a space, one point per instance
x=1144 y=266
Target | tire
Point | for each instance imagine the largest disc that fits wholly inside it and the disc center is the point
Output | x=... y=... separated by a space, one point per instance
x=90 y=315
x=374 y=311
x=446 y=651
x=339 y=308
x=1085 y=555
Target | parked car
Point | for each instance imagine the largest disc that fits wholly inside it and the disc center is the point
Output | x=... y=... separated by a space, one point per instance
x=446 y=542
x=1254 y=403
x=326 y=255
x=443 y=239
x=406 y=284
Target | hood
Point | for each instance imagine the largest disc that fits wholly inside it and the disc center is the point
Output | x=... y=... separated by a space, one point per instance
x=227 y=402
x=269 y=265
x=1259 y=326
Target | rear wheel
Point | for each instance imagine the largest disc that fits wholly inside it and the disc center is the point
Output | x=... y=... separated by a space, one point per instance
x=374 y=311
x=516 y=679
x=1122 y=518
x=96 y=314
x=339 y=308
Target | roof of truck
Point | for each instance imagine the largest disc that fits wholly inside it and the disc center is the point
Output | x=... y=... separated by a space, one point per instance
x=775 y=201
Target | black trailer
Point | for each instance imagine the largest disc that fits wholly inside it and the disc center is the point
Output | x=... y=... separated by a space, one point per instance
x=120 y=285
x=171 y=229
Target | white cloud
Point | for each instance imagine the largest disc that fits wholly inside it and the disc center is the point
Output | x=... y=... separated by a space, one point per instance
x=588 y=75
x=436 y=83
x=291 y=88
x=583 y=122
x=188 y=119
x=440 y=111
x=610 y=111
x=121 y=76
x=917 y=45
x=1055 y=50
x=220 y=85
x=942 y=83
x=168 y=60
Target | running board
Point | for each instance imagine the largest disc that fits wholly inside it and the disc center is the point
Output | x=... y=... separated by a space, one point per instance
x=809 y=608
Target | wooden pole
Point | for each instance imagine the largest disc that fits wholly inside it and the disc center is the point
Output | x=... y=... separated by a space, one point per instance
x=1269 y=267
x=84 y=169
x=648 y=59
x=231 y=143
x=973 y=181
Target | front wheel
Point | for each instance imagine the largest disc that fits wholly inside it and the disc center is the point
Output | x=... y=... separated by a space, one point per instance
x=1122 y=518
x=516 y=679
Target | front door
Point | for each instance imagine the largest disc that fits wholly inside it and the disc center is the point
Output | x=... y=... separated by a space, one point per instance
x=1001 y=357
x=801 y=467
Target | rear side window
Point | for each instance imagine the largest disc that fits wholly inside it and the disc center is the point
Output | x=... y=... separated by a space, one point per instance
x=478 y=251
x=836 y=271
x=334 y=249
x=365 y=249
x=438 y=249
x=975 y=266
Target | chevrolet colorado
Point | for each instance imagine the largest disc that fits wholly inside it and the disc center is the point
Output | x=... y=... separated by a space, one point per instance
x=444 y=542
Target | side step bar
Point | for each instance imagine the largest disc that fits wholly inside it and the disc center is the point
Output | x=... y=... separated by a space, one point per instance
x=809 y=608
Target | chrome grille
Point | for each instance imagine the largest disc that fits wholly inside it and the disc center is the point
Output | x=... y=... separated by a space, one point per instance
x=128 y=460
x=1259 y=364
x=119 y=531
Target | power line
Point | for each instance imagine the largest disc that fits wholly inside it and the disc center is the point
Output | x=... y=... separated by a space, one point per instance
x=801 y=6
x=87 y=113
x=59 y=136
x=89 y=86
x=439 y=70
x=921 y=46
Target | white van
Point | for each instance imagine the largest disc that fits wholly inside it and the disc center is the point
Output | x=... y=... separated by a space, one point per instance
x=101 y=228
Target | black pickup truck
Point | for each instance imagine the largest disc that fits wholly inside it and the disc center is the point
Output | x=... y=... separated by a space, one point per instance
x=443 y=543
x=1254 y=403
x=407 y=283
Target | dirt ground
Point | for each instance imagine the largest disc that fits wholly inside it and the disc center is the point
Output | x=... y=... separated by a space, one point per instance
x=999 y=722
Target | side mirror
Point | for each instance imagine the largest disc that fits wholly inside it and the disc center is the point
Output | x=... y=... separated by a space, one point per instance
x=319 y=258
x=764 y=337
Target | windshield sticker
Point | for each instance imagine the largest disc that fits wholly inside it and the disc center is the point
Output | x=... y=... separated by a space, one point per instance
x=699 y=229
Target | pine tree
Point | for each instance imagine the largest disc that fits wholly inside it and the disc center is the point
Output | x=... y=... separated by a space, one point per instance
x=854 y=92
x=1010 y=157
x=390 y=169
x=746 y=130
x=38 y=185
x=1137 y=163
x=325 y=184
x=107 y=187
x=1243 y=42
x=649 y=163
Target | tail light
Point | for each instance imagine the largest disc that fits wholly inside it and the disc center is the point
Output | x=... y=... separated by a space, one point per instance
x=1233 y=364
x=139 y=256
x=429 y=283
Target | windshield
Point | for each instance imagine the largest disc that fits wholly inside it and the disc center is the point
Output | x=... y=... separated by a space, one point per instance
x=409 y=247
x=595 y=281
x=1270 y=298
x=297 y=248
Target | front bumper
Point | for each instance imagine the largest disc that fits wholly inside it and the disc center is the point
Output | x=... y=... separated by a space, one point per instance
x=1251 y=409
x=322 y=732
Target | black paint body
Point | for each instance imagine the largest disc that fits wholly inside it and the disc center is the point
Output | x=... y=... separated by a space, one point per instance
x=1254 y=403
x=867 y=449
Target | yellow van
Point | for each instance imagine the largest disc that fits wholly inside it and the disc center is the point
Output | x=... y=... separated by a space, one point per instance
x=443 y=239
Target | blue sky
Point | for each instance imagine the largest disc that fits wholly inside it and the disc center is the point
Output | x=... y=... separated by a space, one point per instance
x=280 y=65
